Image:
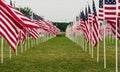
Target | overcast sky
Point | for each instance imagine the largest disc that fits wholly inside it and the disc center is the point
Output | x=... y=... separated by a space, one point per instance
x=55 y=10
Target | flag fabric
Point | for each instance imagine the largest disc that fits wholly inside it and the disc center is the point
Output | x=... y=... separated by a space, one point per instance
x=111 y=15
x=90 y=21
x=95 y=28
x=42 y=24
x=118 y=9
x=18 y=16
x=110 y=10
x=84 y=24
x=23 y=35
x=11 y=23
x=101 y=11
x=34 y=33
x=90 y=15
x=113 y=27
x=9 y=29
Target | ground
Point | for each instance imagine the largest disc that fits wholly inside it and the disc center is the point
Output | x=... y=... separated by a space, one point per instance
x=56 y=55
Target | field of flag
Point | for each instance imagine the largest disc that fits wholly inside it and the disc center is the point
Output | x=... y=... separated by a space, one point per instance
x=96 y=34
x=96 y=27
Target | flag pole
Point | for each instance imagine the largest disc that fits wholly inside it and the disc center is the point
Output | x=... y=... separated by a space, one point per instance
x=104 y=47
x=25 y=46
x=116 y=47
x=21 y=47
x=10 y=53
x=1 y=50
x=104 y=36
x=92 y=50
x=16 y=51
x=98 y=52
x=98 y=47
x=116 y=37
x=83 y=43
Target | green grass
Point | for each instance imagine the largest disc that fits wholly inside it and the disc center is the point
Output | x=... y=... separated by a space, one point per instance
x=58 y=55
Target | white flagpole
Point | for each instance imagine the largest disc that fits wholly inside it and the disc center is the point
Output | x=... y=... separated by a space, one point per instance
x=116 y=37
x=92 y=45
x=1 y=50
x=10 y=53
x=16 y=51
x=116 y=48
x=21 y=47
x=28 y=42
x=89 y=47
x=104 y=47
x=98 y=47
x=83 y=43
x=104 y=36
x=92 y=52
x=25 y=46
x=98 y=52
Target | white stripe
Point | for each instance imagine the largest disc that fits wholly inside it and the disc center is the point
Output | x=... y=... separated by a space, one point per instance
x=8 y=31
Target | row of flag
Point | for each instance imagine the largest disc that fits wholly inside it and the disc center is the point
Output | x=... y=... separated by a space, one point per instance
x=92 y=24
x=95 y=26
x=15 y=26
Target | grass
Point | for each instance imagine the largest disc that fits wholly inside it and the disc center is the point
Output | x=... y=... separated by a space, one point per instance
x=58 y=55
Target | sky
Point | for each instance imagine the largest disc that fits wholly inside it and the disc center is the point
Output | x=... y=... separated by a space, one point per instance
x=55 y=10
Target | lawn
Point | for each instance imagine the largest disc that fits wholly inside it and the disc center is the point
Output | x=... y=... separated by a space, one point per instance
x=58 y=55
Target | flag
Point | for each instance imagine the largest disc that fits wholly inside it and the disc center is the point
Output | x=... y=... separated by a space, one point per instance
x=17 y=16
x=95 y=27
x=42 y=24
x=23 y=35
x=90 y=21
x=34 y=33
x=113 y=27
x=90 y=15
x=110 y=10
x=9 y=29
x=101 y=12
x=118 y=9
x=84 y=24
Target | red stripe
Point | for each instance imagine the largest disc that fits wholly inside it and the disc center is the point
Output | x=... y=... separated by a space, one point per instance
x=110 y=13
x=110 y=18
x=101 y=15
x=101 y=11
x=100 y=19
x=110 y=8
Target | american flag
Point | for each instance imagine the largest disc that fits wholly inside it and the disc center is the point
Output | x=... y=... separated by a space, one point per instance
x=90 y=15
x=34 y=33
x=9 y=29
x=18 y=16
x=118 y=9
x=23 y=35
x=113 y=26
x=11 y=23
x=110 y=10
x=95 y=28
x=84 y=25
x=42 y=24
x=90 y=21
x=101 y=12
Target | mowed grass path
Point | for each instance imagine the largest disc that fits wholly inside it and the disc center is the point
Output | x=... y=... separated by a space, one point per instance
x=56 y=55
